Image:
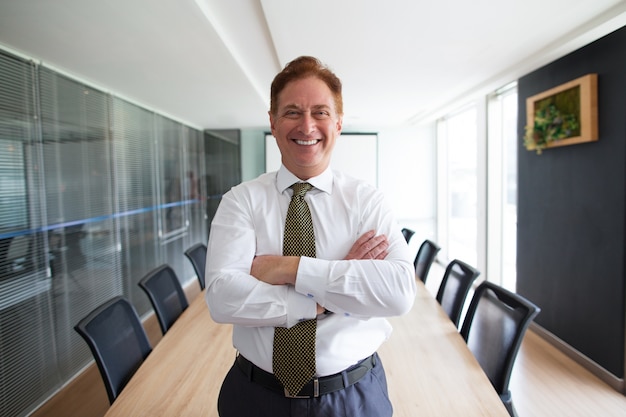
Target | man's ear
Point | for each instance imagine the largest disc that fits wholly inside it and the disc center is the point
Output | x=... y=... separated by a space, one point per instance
x=271 y=122
x=339 y=124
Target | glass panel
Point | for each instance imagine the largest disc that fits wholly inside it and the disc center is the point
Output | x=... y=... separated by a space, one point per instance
x=462 y=186
x=135 y=168
x=173 y=190
x=502 y=186
x=196 y=187
x=27 y=369
x=82 y=236
x=83 y=198
x=509 y=204
x=171 y=178
x=222 y=165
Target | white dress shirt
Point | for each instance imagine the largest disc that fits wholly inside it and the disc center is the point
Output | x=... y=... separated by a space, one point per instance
x=250 y=221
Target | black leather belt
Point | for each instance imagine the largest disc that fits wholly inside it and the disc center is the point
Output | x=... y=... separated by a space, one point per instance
x=313 y=388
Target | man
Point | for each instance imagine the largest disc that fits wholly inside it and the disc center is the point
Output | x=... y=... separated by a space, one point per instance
x=360 y=271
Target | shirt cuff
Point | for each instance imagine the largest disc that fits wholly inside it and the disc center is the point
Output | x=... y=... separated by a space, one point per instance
x=299 y=308
x=311 y=279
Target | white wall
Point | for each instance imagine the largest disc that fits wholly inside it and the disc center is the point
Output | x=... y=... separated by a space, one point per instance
x=407 y=175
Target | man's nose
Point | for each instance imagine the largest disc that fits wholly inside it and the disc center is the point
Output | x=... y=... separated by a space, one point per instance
x=307 y=123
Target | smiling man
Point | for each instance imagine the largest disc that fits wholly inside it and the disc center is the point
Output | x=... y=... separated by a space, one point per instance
x=306 y=263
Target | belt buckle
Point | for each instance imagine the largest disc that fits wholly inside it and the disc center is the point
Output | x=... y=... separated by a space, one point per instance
x=316 y=391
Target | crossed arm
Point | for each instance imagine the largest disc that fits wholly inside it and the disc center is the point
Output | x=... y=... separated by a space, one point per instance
x=282 y=270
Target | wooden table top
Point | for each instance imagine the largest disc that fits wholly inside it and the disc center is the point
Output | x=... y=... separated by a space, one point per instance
x=430 y=370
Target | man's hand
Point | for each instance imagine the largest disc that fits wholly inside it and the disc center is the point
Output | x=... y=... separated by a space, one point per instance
x=369 y=246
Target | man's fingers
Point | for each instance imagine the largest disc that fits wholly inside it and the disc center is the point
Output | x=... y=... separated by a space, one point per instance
x=375 y=248
x=364 y=238
x=382 y=255
x=376 y=241
x=369 y=246
x=379 y=249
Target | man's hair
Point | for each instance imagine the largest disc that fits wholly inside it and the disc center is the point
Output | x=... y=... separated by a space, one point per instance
x=303 y=67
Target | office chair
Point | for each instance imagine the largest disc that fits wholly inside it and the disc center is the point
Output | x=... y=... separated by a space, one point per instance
x=454 y=287
x=166 y=295
x=407 y=233
x=17 y=253
x=197 y=255
x=424 y=259
x=494 y=327
x=117 y=341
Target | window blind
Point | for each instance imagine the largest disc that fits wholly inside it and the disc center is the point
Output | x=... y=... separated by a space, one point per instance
x=82 y=236
x=134 y=139
x=27 y=345
x=83 y=217
x=222 y=165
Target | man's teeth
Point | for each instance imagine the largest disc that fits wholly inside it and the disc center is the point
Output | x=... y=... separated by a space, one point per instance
x=306 y=142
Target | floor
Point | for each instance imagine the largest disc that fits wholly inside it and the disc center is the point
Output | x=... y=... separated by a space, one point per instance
x=547 y=383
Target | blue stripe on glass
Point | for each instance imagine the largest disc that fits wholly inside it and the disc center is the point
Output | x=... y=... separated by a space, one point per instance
x=94 y=219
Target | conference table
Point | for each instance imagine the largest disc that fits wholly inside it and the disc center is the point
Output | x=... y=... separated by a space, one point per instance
x=430 y=370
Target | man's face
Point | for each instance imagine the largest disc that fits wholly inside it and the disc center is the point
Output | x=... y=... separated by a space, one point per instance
x=306 y=126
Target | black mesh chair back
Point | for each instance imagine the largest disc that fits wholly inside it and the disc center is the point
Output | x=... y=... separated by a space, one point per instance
x=494 y=328
x=197 y=255
x=166 y=295
x=117 y=341
x=424 y=259
x=407 y=233
x=455 y=285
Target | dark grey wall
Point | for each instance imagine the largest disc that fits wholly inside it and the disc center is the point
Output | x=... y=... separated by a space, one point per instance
x=571 y=228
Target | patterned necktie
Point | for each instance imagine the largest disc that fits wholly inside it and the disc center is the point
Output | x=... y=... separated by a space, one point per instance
x=294 y=348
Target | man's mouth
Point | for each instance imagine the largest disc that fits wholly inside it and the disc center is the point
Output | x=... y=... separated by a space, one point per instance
x=306 y=142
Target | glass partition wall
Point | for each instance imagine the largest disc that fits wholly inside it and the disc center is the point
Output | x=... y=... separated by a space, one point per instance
x=95 y=192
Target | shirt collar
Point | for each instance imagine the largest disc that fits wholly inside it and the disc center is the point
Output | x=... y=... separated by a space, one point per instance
x=323 y=182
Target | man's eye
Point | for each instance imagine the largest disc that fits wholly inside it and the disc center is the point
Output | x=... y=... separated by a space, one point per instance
x=291 y=114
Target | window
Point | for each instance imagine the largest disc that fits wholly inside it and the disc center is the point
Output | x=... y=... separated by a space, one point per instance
x=457 y=142
x=477 y=186
x=502 y=186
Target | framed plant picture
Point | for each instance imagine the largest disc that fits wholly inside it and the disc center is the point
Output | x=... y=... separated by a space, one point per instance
x=564 y=115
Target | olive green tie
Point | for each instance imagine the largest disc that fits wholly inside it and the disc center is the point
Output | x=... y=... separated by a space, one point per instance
x=293 y=361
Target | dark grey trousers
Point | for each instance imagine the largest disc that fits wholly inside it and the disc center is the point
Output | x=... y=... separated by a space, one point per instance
x=240 y=397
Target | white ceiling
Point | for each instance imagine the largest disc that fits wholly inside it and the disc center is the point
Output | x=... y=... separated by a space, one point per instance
x=209 y=63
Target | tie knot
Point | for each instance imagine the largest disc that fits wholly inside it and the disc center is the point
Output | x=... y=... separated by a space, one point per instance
x=301 y=188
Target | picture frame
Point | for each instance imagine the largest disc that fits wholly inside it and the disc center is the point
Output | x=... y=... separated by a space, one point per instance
x=573 y=104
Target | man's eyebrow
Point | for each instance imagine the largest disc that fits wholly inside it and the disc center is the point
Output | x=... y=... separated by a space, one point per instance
x=321 y=107
x=314 y=107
